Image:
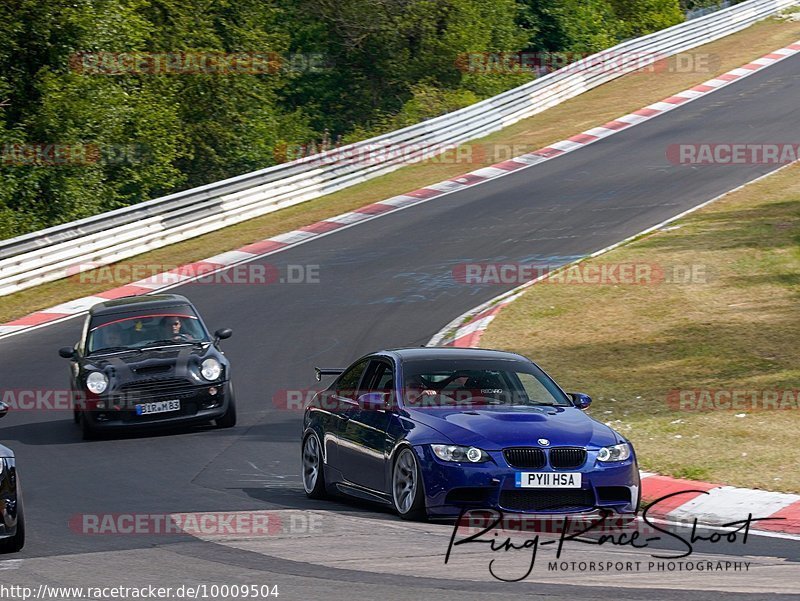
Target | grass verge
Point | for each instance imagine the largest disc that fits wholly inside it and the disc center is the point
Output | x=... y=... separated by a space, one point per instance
x=650 y=353
x=593 y=108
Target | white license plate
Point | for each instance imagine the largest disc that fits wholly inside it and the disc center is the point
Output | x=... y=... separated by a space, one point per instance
x=548 y=480
x=158 y=407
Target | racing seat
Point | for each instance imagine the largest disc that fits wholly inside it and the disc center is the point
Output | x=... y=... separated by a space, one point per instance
x=478 y=387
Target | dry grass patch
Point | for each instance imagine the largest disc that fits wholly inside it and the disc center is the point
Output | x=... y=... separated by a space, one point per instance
x=632 y=347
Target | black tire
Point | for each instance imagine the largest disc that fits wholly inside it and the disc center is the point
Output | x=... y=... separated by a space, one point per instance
x=76 y=404
x=408 y=492
x=313 y=466
x=638 y=501
x=88 y=431
x=228 y=419
x=16 y=542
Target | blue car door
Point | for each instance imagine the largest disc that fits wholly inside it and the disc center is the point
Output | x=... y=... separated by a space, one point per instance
x=363 y=449
x=342 y=406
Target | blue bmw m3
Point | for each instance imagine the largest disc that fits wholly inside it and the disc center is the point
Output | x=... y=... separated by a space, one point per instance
x=435 y=431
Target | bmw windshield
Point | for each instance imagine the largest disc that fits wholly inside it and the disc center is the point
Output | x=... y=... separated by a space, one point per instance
x=447 y=383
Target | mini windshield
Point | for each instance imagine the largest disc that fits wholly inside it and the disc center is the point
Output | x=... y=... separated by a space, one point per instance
x=121 y=331
x=439 y=382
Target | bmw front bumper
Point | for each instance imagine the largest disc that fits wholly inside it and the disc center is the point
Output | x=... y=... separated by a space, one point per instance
x=452 y=487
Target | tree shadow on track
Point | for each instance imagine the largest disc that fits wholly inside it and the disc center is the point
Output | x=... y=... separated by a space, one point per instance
x=295 y=498
x=64 y=432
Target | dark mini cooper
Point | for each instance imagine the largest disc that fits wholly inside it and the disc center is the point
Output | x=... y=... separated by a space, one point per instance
x=12 y=520
x=149 y=361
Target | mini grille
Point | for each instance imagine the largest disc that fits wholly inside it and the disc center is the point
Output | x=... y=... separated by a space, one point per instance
x=152 y=389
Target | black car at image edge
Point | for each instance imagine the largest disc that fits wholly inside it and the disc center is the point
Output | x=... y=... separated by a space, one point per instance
x=12 y=519
x=147 y=361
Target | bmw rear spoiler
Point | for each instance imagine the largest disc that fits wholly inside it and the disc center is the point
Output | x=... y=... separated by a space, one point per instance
x=327 y=371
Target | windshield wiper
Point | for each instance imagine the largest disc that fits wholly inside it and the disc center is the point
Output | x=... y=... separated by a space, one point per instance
x=164 y=342
x=111 y=349
x=173 y=343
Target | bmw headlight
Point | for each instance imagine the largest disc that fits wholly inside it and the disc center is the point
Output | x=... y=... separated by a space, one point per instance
x=617 y=452
x=451 y=452
x=97 y=382
x=210 y=369
x=2 y=466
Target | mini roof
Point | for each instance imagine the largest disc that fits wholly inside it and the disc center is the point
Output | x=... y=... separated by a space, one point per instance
x=137 y=303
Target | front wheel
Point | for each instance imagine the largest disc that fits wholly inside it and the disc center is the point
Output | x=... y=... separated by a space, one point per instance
x=313 y=468
x=228 y=419
x=408 y=495
x=88 y=431
x=16 y=542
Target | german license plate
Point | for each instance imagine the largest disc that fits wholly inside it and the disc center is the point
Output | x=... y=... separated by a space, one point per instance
x=548 y=480
x=158 y=407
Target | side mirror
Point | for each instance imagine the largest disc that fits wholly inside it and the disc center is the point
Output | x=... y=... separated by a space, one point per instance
x=372 y=401
x=580 y=400
x=4 y=407
x=67 y=352
x=222 y=334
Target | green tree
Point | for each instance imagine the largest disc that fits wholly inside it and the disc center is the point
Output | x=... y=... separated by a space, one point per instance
x=640 y=17
x=365 y=67
x=379 y=53
x=573 y=26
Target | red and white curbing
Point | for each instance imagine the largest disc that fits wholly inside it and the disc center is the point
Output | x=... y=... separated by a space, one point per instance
x=715 y=505
x=188 y=273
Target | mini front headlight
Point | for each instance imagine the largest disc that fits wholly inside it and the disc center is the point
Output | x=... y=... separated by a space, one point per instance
x=617 y=452
x=210 y=369
x=451 y=452
x=97 y=382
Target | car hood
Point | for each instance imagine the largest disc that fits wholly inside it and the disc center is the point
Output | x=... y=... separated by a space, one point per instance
x=153 y=363
x=495 y=428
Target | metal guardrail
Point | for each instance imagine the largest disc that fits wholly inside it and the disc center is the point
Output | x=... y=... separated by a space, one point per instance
x=63 y=250
x=704 y=10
